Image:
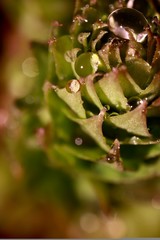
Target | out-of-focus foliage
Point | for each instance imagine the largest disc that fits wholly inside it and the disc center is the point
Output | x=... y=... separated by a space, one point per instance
x=50 y=183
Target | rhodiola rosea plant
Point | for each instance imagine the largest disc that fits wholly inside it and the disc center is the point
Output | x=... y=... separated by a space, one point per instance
x=103 y=89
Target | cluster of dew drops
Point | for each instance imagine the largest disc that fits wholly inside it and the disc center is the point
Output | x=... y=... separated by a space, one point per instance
x=122 y=22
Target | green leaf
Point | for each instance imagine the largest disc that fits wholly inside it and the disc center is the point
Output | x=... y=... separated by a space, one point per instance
x=89 y=92
x=93 y=127
x=114 y=55
x=130 y=88
x=73 y=100
x=140 y=71
x=105 y=172
x=63 y=68
x=153 y=90
x=81 y=152
x=133 y=122
x=110 y=92
x=154 y=109
x=104 y=55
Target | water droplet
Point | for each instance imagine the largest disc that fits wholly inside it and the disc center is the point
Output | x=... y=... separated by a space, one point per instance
x=134 y=140
x=131 y=52
x=113 y=114
x=73 y=86
x=111 y=7
x=78 y=141
x=134 y=102
x=86 y=64
x=124 y=21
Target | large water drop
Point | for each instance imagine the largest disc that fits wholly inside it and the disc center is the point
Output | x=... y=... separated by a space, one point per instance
x=126 y=21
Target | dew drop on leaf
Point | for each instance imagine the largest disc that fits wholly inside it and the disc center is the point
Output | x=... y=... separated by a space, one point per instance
x=134 y=140
x=124 y=21
x=73 y=86
x=87 y=63
x=78 y=141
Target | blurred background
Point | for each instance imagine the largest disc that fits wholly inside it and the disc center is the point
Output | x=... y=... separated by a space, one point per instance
x=38 y=196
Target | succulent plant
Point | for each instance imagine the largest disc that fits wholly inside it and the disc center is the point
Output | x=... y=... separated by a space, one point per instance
x=82 y=158
x=105 y=73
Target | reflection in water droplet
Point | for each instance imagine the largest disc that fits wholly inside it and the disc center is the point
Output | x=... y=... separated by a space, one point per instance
x=78 y=141
x=73 y=86
x=124 y=21
x=130 y=3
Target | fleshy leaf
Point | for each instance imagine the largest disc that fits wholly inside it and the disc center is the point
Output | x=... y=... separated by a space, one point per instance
x=105 y=172
x=89 y=92
x=93 y=127
x=133 y=122
x=154 y=109
x=74 y=101
x=104 y=53
x=153 y=90
x=60 y=47
x=130 y=88
x=82 y=38
x=95 y=41
x=82 y=153
x=114 y=55
x=106 y=89
x=140 y=71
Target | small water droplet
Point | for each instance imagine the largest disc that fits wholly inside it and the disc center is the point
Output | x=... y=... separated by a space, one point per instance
x=134 y=140
x=134 y=102
x=111 y=7
x=78 y=141
x=124 y=21
x=73 y=86
x=131 y=52
x=108 y=159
